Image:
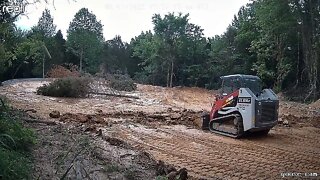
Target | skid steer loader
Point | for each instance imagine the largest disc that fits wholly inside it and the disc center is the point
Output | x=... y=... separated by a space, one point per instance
x=242 y=106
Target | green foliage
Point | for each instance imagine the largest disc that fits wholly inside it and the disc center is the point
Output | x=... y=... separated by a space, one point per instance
x=85 y=39
x=13 y=135
x=15 y=143
x=87 y=47
x=175 y=45
x=86 y=21
x=274 y=57
x=22 y=53
x=116 y=57
x=45 y=25
x=14 y=165
x=57 y=49
x=122 y=82
x=66 y=87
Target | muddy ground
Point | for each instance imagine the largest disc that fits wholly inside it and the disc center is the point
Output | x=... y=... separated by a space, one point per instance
x=105 y=137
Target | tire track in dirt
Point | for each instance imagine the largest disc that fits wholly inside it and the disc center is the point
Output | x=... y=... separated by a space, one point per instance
x=273 y=152
x=281 y=148
x=176 y=155
x=227 y=165
x=221 y=159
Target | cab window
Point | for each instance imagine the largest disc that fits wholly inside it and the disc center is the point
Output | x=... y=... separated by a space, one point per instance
x=230 y=85
x=226 y=87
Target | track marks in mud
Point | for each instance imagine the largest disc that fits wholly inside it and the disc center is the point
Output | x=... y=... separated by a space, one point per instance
x=207 y=156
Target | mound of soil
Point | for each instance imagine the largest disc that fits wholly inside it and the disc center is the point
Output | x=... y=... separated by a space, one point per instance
x=184 y=117
x=290 y=120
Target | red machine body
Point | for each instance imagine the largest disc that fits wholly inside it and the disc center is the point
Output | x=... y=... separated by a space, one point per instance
x=221 y=102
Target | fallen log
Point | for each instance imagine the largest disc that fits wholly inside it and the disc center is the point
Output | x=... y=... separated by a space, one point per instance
x=116 y=95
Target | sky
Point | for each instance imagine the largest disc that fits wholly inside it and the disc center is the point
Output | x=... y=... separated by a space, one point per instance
x=128 y=18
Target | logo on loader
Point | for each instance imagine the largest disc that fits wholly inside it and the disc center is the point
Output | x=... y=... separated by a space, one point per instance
x=244 y=100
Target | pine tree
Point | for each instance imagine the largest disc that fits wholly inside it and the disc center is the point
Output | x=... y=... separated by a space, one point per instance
x=45 y=24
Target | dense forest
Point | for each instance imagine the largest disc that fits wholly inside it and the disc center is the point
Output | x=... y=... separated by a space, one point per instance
x=277 y=40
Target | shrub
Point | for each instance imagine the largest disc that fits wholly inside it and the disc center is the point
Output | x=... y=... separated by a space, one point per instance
x=66 y=87
x=142 y=78
x=121 y=82
x=15 y=143
x=14 y=165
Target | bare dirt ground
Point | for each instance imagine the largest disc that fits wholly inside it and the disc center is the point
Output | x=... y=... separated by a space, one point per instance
x=162 y=125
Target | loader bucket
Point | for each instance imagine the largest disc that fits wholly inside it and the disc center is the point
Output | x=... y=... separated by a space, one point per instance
x=205 y=121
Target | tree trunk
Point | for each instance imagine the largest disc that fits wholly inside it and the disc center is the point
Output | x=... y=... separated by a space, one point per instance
x=298 y=64
x=171 y=76
x=81 y=57
x=15 y=73
x=310 y=53
x=43 y=66
x=168 y=75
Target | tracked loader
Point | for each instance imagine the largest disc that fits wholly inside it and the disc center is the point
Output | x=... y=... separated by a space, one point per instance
x=242 y=106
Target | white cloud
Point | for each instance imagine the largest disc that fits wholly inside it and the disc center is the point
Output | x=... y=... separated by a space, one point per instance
x=128 y=18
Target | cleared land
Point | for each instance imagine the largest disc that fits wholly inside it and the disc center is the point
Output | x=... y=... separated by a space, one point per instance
x=164 y=123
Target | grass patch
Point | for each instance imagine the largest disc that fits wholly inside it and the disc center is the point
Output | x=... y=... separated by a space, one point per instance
x=15 y=144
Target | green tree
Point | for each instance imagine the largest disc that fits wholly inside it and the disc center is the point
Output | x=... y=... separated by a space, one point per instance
x=246 y=32
x=116 y=56
x=274 y=47
x=171 y=31
x=27 y=59
x=85 y=39
x=57 y=48
x=277 y=40
x=308 y=27
x=45 y=31
x=45 y=25
x=142 y=50
x=176 y=44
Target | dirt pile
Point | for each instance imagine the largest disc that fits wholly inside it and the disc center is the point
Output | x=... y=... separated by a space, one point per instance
x=316 y=104
x=54 y=114
x=182 y=97
x=289 y=120
x=67 y=70
x=115 y=141
x=184 y=117
x=293 y=114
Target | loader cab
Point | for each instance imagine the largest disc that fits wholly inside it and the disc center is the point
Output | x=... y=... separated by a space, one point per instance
x=229 y=85
x=232 y=83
